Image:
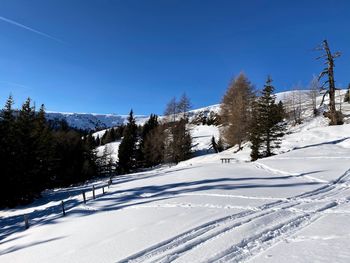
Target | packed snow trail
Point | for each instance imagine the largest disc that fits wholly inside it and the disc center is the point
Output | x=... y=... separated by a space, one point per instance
x=277 y=218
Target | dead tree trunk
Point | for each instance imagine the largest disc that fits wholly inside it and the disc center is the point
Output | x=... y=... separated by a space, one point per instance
x=329 y=71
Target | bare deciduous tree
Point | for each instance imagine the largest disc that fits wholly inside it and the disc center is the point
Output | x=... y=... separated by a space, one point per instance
x=293 y=103
x=236 y=110
x=314 y=91
x=184 y=105
x=171 y=109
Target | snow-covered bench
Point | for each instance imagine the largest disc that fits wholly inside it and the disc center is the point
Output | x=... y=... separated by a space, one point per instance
x=226 y=160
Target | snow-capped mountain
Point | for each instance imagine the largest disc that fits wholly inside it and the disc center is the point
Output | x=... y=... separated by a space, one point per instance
x=92 y=121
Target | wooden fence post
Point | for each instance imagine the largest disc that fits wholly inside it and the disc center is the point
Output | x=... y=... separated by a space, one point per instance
x=63 y=211
x=26 y=221
x=93 y=192
x=84 y=197
x=103 y=190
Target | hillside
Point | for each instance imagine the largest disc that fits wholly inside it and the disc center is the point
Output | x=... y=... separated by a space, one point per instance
x=291 y=207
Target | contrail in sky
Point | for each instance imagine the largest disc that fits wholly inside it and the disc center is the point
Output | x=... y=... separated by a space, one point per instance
x=29 y=28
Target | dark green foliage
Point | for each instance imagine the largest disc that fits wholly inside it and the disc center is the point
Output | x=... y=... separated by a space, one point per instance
x=74 y=161
x=36 y=155
x=220 y=145
x=90 y=141
x=217 y=146
x=179 y=146
x=127 y=152
x=214 y=145
x=267 y=123
x=98 y=141
x=154 y=146
x=147 y=155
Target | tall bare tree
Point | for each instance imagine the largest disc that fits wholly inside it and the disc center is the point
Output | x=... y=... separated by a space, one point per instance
x=293 y=102
x=171 y=109
x=314 y=91
x=235 y=110
x=184 y=105
x=328 y=71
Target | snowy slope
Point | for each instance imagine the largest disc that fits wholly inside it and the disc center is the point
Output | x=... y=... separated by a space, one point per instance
x=204 y=211
x=292 y=207
x=111 y=149
x=201 y=141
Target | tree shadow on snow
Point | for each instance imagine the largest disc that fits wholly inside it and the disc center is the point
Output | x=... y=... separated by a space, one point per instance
x=120 y=199
x=48 y=215
x=15 y=248
x=323 y=143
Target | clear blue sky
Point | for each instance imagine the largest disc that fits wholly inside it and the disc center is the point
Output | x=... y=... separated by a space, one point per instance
x=109 y=56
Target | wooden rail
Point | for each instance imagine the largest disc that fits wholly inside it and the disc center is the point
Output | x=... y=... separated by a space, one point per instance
x=64 y=212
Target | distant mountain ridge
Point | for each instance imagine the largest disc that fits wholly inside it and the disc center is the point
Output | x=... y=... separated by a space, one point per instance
x=91 y=121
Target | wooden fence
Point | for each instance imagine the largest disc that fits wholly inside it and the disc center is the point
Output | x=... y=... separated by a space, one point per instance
x=84 y=192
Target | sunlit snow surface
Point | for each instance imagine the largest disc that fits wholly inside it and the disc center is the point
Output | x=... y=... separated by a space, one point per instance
x=292 y=207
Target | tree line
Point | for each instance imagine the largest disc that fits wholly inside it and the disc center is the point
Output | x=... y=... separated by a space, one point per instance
x=36 y=154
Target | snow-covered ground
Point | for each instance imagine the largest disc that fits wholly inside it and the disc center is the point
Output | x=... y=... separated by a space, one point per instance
x=292 y=207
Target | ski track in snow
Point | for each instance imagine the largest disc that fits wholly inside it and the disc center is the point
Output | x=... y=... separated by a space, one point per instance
x=290 y=219
x=280 y=172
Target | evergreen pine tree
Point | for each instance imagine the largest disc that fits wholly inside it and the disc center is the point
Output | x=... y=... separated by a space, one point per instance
x=112 y=135
x=8 y=150
x=26 y=143
x=180 y=145
x=214 y=145
x=36 y=154
x=267 y=123
x=127 y=148
x=90 y=141
x=154 y=146
x=220 y=145
x=43 y=150
x=147 y=135
x=98 y=141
